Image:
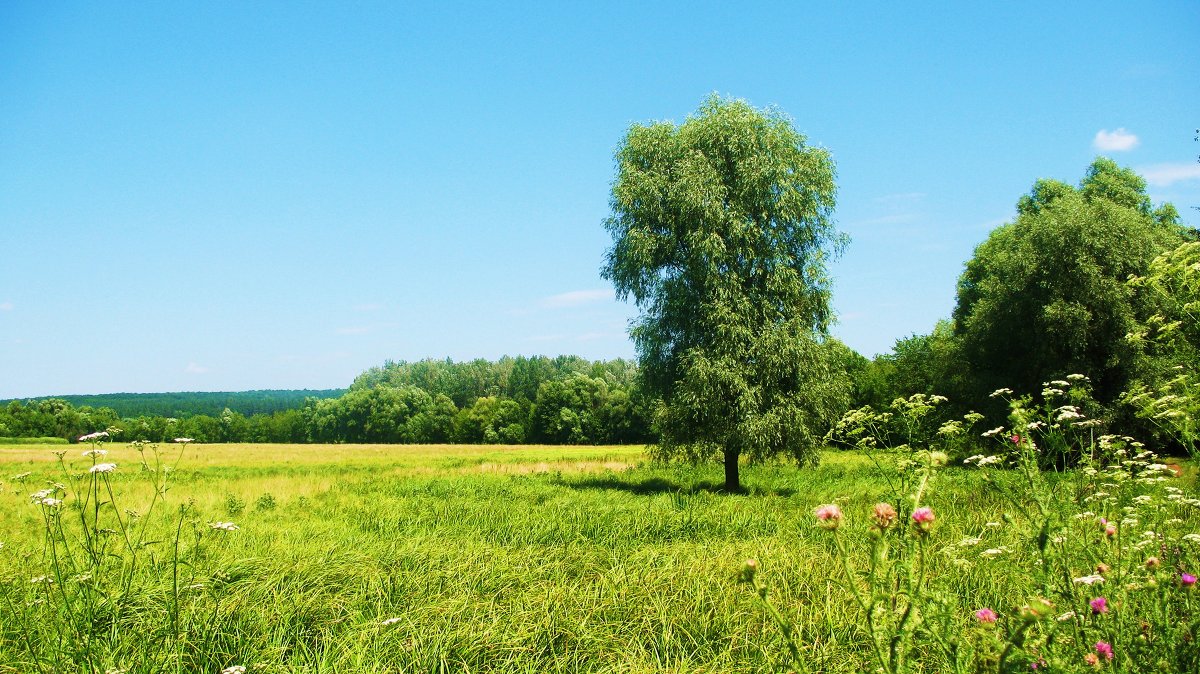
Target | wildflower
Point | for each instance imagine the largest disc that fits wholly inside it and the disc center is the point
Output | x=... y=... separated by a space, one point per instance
x=992 y=552
x=93 y=436
x=41 y=580
x=1187 y=579
x=1110 y=530
x=1091 y=660
x=1192 y=538
x=923 y=517
x=1090 y=580
x=1036 y=609
x=91 y=453
x=884 y=515
x=986 y=616
x=749 y=570
x=1051 y=391
x=234 y=669
x=994 y=431
x=1016 y=439
x=1101 y=568
x=1105 y=649
x=223 y=526
x=968 y=542
x=389 y=621
x=1065 y=617
x=1000 y=392
x=1077 y=377
x=1152 y=563
x=103 y=468
x=829 y=516
x=183 y=440
x=1099 y=605
x=51 y=502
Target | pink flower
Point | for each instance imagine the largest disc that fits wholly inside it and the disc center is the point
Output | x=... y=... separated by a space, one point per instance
x=1187 y=579
x=1099 y=605
x=923 y=517
x=1016 y=439
x=829 y=516
x=1110 y=530
x=986 y=616
x=1104 y=648
x=884 y=515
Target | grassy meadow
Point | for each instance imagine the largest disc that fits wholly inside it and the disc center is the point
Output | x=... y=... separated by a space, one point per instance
x=403 y=558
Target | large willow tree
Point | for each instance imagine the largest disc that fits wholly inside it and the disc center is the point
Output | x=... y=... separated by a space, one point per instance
x=721 y=233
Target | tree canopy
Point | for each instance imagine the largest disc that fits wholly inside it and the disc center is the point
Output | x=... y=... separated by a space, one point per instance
x=721 y=232
x=1045 y=295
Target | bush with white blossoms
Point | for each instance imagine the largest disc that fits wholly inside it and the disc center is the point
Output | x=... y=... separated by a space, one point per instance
x=1099 y=561
x=101 y=564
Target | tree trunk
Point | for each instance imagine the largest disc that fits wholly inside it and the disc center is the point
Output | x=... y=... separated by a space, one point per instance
x=732 y=483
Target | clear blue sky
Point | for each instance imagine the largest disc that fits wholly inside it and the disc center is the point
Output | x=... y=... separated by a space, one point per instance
x=244 y=195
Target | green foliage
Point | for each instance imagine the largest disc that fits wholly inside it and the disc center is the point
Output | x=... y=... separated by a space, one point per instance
x=721 y=233
x=1167 y=392
x=1045 y=295
x=184 y=404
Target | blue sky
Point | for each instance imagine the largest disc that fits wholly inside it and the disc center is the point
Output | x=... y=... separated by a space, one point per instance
x=230 y=196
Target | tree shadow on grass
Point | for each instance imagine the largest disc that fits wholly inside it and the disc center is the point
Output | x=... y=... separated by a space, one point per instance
x=650 y=486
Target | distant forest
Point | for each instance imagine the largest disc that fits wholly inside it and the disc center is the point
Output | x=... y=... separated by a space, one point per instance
x=186 y=404
x=561 y=400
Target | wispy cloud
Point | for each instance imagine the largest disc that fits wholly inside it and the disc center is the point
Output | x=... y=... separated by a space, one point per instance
x=194 y=368
x=6 y=306
x=353 y=330
x=576 y=298
x=1119 y=140
x=1165 y=175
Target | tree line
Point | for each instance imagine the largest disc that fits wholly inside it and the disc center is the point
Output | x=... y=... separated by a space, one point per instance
x=182 y=404
x=562 y=400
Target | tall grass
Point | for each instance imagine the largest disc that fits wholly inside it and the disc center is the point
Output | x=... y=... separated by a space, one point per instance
x=431 y=559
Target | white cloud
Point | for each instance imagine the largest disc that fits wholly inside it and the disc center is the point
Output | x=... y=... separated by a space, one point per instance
x=1119 y=140
x=6 y=306
x=1165 y=175
x=576 y=298
x=353 y=330
x=193 y=368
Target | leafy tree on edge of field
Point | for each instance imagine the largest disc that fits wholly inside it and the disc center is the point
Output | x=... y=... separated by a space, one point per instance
x=1045 y=295
x=721 y=229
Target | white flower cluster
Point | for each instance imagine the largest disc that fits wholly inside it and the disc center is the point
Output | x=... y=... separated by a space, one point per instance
x=93 y=436
x=103 y=468
x=223 y=526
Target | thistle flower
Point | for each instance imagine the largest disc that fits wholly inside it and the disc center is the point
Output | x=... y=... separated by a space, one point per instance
x=1187 y=579
x=884 y=515
x=1152 y=563
x=829 y=516
x=1104 y=648
x=1099 y=605
x=986 y=616
x=923 y=517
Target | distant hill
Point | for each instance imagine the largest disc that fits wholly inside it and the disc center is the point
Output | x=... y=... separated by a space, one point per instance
x=192 y=403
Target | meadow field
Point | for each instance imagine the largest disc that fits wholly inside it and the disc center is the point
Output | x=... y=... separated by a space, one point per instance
x=407 y=558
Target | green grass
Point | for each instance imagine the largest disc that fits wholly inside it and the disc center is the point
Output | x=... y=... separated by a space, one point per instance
x=506 y=559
